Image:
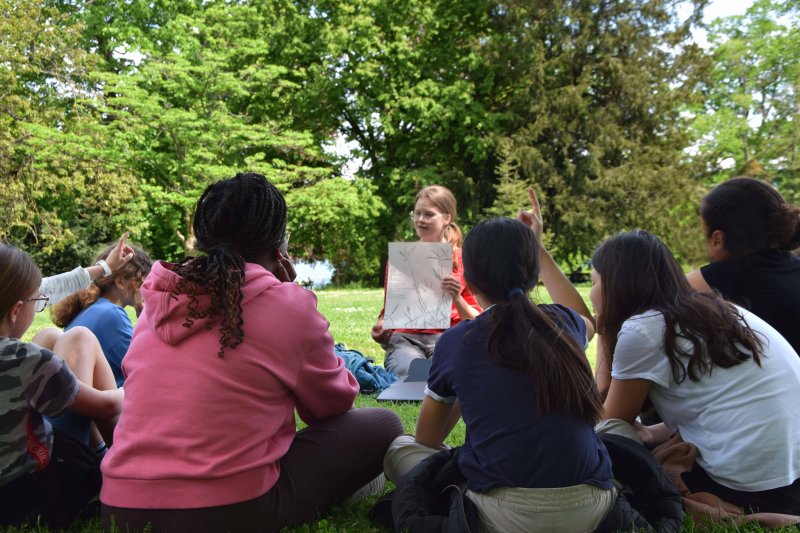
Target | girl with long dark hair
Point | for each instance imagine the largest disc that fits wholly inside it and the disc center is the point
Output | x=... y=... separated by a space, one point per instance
x=518 y=376
x=716 y=373
x=225 y=351
x=750 y=233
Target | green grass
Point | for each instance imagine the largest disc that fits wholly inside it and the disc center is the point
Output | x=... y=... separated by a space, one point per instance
x=351 y=314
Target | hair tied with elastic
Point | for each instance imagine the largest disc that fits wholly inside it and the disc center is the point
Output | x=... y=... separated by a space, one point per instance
x=515 y=292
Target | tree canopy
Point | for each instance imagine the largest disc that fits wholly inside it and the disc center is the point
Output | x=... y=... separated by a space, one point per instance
x=115 y=114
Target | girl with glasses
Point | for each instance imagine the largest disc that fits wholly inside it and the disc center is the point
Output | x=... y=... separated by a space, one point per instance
x=45 y=474
x=434 y=221
x=518 y=376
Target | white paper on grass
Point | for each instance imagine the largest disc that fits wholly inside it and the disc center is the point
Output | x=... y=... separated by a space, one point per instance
x=414 y=295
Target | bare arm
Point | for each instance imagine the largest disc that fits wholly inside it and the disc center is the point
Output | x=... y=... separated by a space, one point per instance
x=558 y=286
x=102 y=406
x=697 y=281
x=602 y=373
x=436 y=420
x=625 y=399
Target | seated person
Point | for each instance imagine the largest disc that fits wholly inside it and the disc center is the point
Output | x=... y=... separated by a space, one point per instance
x=38 y=479
x=519 y=377
x=750 y=233
x=101 y=308
x=226 y=350
x=434 y=221
x=716 y=373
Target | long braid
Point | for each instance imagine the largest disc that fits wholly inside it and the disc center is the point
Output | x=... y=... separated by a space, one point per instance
x=234 y=221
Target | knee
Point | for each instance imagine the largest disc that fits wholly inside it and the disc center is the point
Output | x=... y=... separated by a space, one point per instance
x=77 y=337
x=47 y=337
x=382 y=424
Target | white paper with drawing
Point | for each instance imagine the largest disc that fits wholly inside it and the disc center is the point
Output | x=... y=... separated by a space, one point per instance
x=414 y=295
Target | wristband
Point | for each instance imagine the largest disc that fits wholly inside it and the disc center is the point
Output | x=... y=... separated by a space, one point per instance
x=106 y=269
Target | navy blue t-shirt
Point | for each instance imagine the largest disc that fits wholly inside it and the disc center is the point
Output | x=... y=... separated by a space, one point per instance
x=508 y=443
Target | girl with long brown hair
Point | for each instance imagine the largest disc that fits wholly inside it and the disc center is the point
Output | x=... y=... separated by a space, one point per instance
x=721 y=376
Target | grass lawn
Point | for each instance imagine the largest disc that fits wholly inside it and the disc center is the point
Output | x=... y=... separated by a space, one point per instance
x=351 y=314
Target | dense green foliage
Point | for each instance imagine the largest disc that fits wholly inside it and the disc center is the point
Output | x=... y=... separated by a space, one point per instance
x=115 y=114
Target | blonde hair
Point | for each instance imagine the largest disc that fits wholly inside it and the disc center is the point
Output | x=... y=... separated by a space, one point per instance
x=444 y=200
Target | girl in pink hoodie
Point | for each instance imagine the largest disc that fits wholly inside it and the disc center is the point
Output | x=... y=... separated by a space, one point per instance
x=225 y=351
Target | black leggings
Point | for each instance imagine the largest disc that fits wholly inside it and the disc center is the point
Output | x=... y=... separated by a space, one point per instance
x=326 y=463
x=784 y=500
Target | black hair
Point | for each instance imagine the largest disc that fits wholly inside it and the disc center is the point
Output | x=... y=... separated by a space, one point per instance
x=753 y=216
x=501 y=260
x=235 y=221
x=638 y=274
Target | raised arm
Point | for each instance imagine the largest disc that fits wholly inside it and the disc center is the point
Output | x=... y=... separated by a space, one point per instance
x=558 y=286
x=62 y=285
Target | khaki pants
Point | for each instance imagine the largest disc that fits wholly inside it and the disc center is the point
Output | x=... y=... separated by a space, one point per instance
x=579 y=508
x=615 y=426
x=508 y=509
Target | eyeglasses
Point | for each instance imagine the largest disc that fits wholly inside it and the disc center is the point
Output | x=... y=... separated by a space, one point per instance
x=41 y=302
x=423 y=216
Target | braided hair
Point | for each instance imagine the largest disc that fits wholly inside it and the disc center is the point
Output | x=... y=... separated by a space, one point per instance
x=235 y=220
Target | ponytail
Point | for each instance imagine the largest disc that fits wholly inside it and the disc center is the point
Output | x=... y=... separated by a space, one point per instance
x=525 y=338
x=784 y=226
x=235 y=221
x=501 y=260
x=452 y=234
x=67 y=309
x=220 y=274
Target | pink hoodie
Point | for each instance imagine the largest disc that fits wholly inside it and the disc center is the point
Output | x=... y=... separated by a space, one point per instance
x=200 y=431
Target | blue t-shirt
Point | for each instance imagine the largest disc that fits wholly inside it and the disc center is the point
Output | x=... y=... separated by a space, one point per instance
x=508 y=443
x=112 y=327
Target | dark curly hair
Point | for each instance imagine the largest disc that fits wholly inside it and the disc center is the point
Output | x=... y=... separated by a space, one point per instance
x=235 y=220
x=132 y=275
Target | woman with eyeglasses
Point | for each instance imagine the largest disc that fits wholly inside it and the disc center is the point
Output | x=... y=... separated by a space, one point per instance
x=44 y=474
x=434 y=217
